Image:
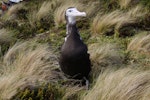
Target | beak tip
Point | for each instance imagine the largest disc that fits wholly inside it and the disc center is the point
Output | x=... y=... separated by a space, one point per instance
x=84 y=14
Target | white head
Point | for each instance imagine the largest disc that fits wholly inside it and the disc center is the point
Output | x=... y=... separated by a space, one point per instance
x=71 y=13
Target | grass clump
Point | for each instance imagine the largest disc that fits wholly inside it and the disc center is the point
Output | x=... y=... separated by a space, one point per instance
x=139 y=50
x=6 y=36
x=122 y=84
x=140 y=44
x=42 y=17
x=146 y=3
x=45 y=92
x=25 y=64
x=103 y=56
x=109 y=23
x=124 y=3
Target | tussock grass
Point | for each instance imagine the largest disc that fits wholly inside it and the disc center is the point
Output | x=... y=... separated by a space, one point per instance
x=124 y=3
x=71 y=93
x=11 y=14
x=123 y=84
x=32 y=18
x=15 y=50
x=115 y=20
x=103 y=56
x=92 y=8
x=26 y=64
x=104 y=23
x=6 y=36
x=44 y=10
x=44 y=13
x=140 y=44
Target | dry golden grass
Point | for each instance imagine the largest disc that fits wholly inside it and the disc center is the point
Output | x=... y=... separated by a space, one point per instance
x=32 y=18
x=123 y=84
x=44 y=10
x=26 y=64
x=71 y=92
x=104 y=23
x=140 y=44
x=103 y=56
x=91 y=9
x=124 y=3
x=14 y=51
x=134 y=15
x=5 y=36
x=116 y=19
x=11 y=14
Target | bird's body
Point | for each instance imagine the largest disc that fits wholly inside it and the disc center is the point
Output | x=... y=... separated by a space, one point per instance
x=74 y=59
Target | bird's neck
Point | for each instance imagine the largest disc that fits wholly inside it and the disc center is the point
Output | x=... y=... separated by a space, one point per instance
x=71 y=24
x=71 y=20
x=72 y=31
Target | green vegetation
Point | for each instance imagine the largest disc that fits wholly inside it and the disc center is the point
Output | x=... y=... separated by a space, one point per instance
x=117 y=33
x=45 y=92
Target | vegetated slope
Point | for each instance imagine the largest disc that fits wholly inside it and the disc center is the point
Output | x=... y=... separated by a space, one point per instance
x=122 y=84
x=117 y=35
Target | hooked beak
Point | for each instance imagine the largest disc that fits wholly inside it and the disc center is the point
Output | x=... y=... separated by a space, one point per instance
x=79 y=14
x=83 y=14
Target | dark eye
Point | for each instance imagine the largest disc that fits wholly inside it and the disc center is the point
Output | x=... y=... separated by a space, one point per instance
x=70 y=10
